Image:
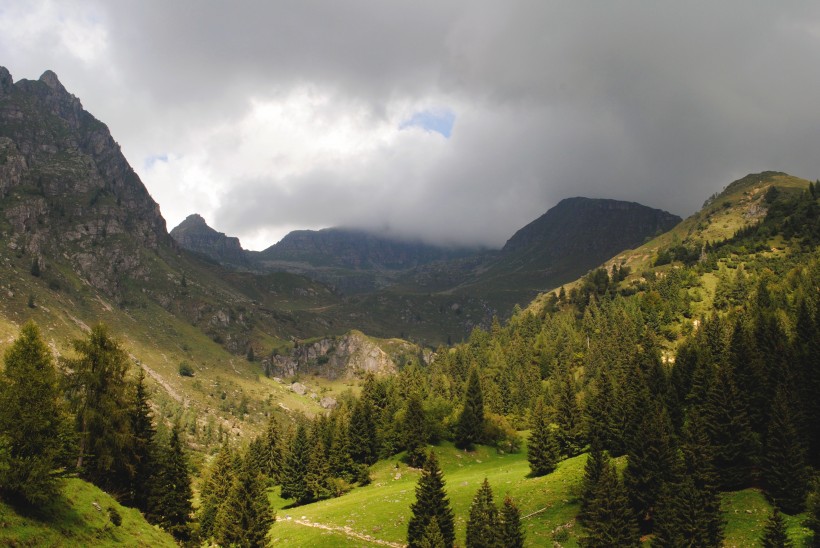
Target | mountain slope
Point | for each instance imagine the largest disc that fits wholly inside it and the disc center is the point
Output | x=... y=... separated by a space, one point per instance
x=195 y=235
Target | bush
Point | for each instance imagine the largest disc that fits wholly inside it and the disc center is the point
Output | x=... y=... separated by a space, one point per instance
x=185 y=370
x=499 y=434
x=114 y=516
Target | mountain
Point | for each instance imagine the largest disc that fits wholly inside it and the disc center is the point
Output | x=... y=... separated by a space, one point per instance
x=195 y=235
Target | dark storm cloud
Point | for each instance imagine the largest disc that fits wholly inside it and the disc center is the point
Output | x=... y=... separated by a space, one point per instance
x=653 y=102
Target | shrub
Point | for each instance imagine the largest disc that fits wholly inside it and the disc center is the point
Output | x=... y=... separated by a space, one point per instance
x=185 y=370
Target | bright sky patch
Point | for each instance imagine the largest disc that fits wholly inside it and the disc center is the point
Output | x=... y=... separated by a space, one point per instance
x=437 y=120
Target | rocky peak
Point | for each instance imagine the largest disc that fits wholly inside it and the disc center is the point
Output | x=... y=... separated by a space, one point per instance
x=50 y=79
x=195 y=235
x=6 y=81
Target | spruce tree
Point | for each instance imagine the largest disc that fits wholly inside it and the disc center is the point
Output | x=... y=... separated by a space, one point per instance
x=294 y=473
x=432 y=536
x=317 y=477
x=470 y=425
x=144 y=450
x=271 y=445
x=785 y=470
x=482 y=525
x=651 y=457
x=813 y=512
x=593 y=468
x=339 y=459
x=568 y=416
x=33 y=423
x=364 y=444
x=774 y=534
x=511 y=534
x=100 y=396
x=246 y=517
x=415 y=432
x=431 y=502
x=169 y=505
x=610 y=522
x=542 y=449
x=214 y=490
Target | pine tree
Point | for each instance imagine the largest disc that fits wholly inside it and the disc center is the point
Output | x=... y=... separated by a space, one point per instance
x=483 y=525
x=214 y=490
x=271 y=454
x=339 y=459
x=542 y=449
x=774 y=534
x=784 y=463
x=610 y=521
x=568 y=416
x=431 y=502
x=364 y=443
x=651 y=457
x=101 y=398
x=593 y=468
x=470 y=426
x=169 y=505
x=246 y=517
x=511 y=535
x=415 y=432
x=144 y=450
x=317 y=478
x=34 y=428
x=294 y=473
x=432 y=536
x=813 y=512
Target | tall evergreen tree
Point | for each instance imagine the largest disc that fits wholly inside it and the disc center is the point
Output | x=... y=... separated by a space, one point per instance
x=214 y=490
x=415 y=432
x=246 y=517
x=317 y=478
x=511 y=534
x=294 y=473
x=568 y=416
x=483 y=525
x=542 y=449
x=432 y=537
x=364 y=443
x=813 y=512
x=593 y=468
x=339 y=459
x=101 y=398
x=431 y=502
x=271 y=463
x=144 y=450
x=470 y=425
x=774 y=534
x=610 y=521
x=33 y=423
x=785 y=470
x=651 y=458
x=169 y=505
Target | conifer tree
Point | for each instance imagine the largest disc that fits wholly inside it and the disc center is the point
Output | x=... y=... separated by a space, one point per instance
x=542 y=449
x=101 y=398
x=271 y=463
x=483 y=526
x=431 y=502
x=214 y=490
x=317 y=477
x=246 y=517
x=784 y=463
x=511 y=535
x=651 y=457
x=593 y=468
x=415 y=432
x=470 y=426
x=339 y=459
x=364 y=444
x=144 y=450
x=774 y=534
x=294 y=473
x=34 y=427
x=610 y=522
x=568 y=416
x=169 y=505
x=432 y=536
x=813 y=512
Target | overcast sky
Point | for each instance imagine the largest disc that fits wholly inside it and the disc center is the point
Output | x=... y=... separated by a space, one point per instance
x=454 y=122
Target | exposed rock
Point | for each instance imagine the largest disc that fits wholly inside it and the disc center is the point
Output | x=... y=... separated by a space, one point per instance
x=328 y=402
x=299 y=388
x=195 y=235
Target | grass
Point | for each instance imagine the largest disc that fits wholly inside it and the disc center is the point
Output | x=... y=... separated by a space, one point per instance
x=74 y=520
x=746 y=514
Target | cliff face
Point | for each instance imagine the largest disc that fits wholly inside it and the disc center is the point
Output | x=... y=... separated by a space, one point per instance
x=194 y=234
x=66 y=189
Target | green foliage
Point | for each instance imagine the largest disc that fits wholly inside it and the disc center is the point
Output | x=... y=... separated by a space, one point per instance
x=144 y=450
x=483 y=523
x=245 y=518
x=114 y=516
x=470 y=423
x=100 y=396
x=169 y=504
x=34 y=430
x=813 y=512
x=609 y=521
x=774 y=535
x=543 y=452
x=784 y=463
x=431 y=502
x=511 y=534
x=185 y=370
x=415 y=432
x=214 y=489
x=432 y=536
x=294 y=473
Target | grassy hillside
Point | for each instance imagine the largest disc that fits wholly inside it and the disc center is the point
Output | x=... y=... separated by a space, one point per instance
x=79 y=518
x=377 y=515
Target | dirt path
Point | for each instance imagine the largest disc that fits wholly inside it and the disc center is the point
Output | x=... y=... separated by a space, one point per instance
x=347 y=531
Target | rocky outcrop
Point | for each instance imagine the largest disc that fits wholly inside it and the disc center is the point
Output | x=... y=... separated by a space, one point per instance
x=195 y=235
x=67 y=189
x=350 y=356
